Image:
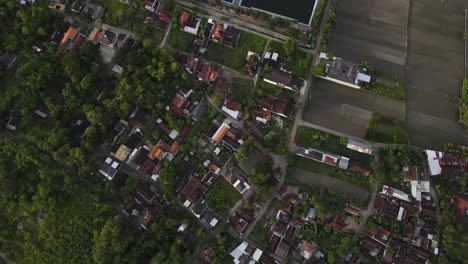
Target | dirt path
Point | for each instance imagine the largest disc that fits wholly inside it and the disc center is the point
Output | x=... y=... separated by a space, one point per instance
x=312 y=178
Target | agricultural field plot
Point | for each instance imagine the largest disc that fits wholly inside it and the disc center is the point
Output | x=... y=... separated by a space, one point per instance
x=372 y=31
x=386 y=130
x=180 y=40
x=348 y=110
x=434 y=72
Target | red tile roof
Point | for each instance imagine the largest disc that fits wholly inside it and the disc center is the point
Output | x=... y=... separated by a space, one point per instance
x=329 y=160
x=80 y=39
x=220 y=133
x=460 y=205
x=207 y=73
x=70 y=34
x=183 y=18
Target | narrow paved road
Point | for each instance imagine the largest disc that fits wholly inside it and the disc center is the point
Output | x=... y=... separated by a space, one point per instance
x=305 y=95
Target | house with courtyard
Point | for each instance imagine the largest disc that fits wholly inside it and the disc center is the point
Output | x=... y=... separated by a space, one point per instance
x=345 y=72
x=188 y=23
x=207 y=74
x=124 y=150
x=280 y=107
x=224 y=34
x=181 y=106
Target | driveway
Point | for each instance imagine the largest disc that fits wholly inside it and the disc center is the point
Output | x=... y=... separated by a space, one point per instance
x=339 y=186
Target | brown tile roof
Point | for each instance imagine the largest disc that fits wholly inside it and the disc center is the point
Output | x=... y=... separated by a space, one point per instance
x=279 y=76
x=207 y=73
x=174 y=147
x=261 y=113
x=234 y=106
x=266 y=102
x=80 y=39
x=177 y=101
x=193 y=189
x=283 y=107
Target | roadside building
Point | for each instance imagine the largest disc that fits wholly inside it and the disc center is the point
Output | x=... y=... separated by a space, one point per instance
x=189 y=23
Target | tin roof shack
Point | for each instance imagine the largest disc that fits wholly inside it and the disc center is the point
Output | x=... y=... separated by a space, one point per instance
x=109 y=168
x=14 y=120
x=246 y=253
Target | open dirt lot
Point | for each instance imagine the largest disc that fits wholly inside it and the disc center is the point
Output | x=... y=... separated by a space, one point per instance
x=348 y=110
x=373 y=31
x=434 y=72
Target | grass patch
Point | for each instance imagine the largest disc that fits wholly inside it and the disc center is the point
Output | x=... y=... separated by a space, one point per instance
x=463 y=105
x=260 y=231
x=313 y=138
x=391 y=87
x=386 y=130
x=299 y=62
x=242 y=91
x=180 y=40
x=327 y=170
x=115 y=11
x=276 y=139
x=235 y=58
x=264 y=88
x=222 y=196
